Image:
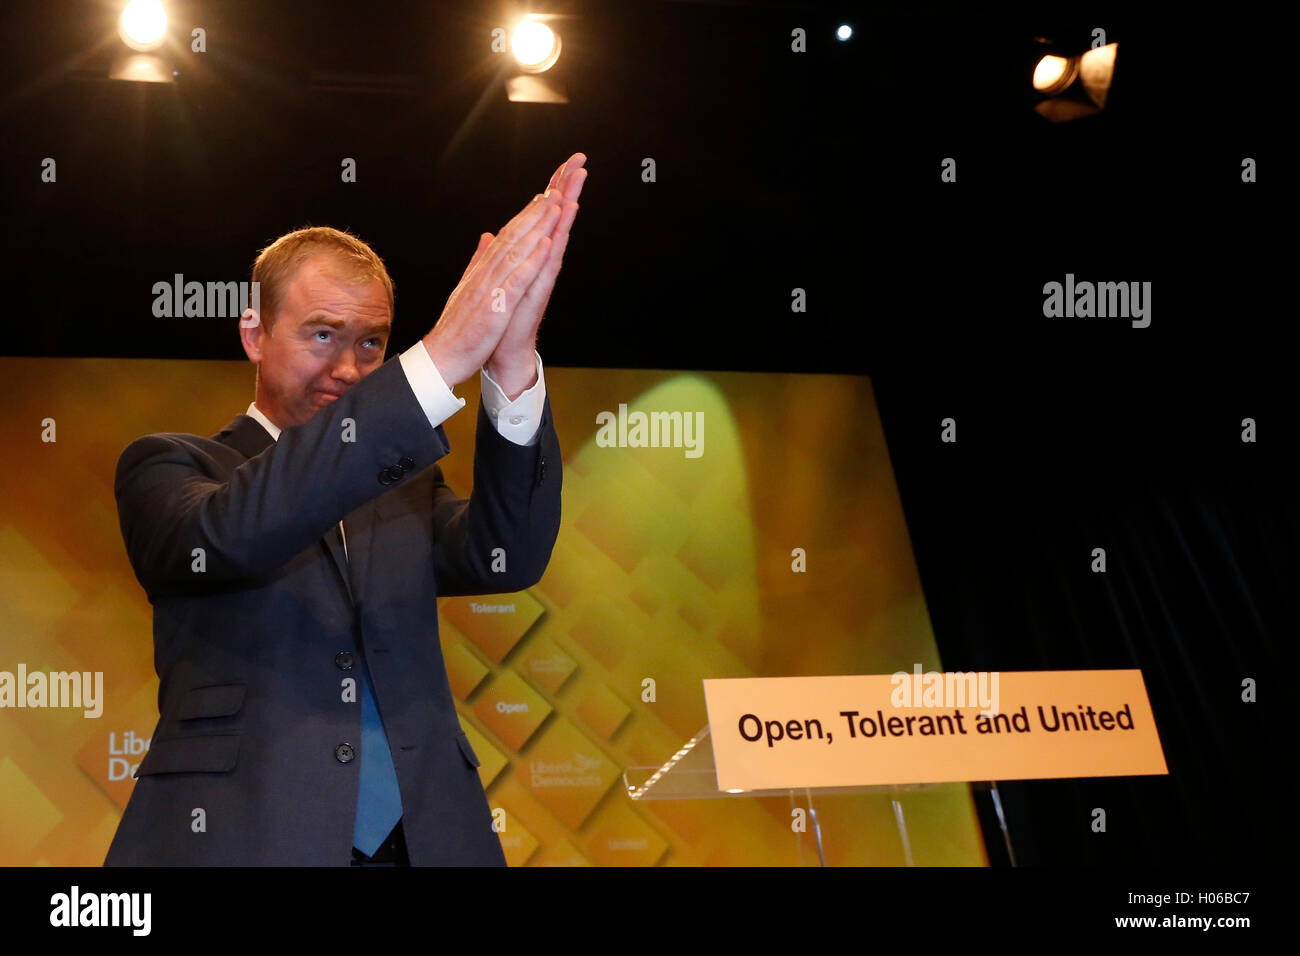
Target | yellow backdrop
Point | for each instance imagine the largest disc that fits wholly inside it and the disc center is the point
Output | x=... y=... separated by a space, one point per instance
x=668 y=568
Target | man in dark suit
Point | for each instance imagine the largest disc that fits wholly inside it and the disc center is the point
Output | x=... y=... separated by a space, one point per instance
x=294 y=561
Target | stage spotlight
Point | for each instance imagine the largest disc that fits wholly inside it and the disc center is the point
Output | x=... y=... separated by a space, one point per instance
x=844 y=32
x=535 y=46
x=143 y=25
x=143 y=28
x=1069 y=86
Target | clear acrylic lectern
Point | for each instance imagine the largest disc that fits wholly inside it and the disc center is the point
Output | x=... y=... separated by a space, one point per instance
x=690 y=774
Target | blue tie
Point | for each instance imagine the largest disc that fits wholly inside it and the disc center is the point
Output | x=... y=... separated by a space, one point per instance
x=379 y=803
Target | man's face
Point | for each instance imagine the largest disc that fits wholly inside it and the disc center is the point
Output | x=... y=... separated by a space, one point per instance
x=329 y=334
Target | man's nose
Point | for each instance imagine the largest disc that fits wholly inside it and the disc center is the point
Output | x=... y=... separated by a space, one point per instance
x=345 y=369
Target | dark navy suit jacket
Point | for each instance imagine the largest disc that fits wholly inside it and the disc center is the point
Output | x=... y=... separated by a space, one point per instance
x=256 y=611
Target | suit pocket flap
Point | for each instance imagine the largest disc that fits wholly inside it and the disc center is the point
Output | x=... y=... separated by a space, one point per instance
x=216 y=700
x=466 y=749
x=213 y=753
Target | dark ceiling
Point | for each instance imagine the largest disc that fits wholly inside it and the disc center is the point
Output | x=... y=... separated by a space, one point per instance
x=775 y=170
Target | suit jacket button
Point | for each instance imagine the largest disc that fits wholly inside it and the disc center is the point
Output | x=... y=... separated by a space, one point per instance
x=406 y=464
x=344 y=753
x=344 y=660
x=387 y=476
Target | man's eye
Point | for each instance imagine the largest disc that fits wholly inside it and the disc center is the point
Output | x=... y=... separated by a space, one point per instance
x=322 y=332
x=376 y=341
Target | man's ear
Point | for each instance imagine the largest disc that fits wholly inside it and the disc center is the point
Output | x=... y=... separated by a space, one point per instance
x=250 y=334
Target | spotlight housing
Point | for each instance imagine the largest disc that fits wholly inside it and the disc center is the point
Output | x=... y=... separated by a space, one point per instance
x=535 y=48
x=1069 y=85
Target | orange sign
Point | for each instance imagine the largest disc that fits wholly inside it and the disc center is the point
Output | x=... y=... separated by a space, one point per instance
x=774 y=733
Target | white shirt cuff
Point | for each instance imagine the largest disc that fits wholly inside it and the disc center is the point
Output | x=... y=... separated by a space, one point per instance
x=430 y=388
x=520 y=420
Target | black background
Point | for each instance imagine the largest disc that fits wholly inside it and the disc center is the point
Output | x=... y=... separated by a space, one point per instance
x=779 y=170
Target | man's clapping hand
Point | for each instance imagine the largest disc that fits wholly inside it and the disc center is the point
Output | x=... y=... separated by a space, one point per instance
x=518 y=268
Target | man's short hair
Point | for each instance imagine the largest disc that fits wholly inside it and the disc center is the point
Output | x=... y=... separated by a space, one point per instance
x=277 y=264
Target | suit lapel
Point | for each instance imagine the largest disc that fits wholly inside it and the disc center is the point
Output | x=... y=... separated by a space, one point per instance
x=246 y=435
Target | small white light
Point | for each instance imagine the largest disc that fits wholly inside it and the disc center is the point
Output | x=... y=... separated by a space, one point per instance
x=143 y=24
x=844 y=32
